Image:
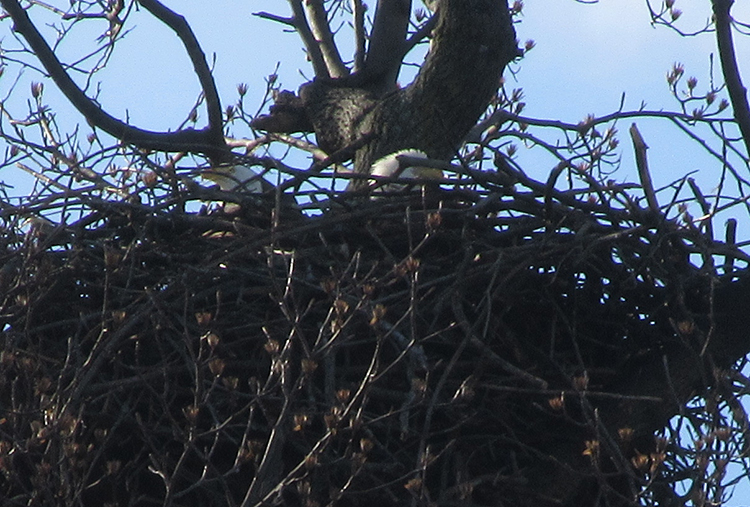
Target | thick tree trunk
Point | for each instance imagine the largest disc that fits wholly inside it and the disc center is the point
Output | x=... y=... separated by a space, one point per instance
x=472 y=43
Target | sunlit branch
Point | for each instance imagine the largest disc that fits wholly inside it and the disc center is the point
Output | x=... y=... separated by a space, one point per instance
x=112 y=14
x=705 y=207
x=501 y=116
x=299 y=21
x=190 y=140
x=322 y=32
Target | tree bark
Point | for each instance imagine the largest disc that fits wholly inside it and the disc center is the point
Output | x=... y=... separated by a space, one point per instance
x=472 y=43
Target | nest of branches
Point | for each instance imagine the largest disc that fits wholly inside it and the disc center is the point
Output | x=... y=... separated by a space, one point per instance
x=475 y=345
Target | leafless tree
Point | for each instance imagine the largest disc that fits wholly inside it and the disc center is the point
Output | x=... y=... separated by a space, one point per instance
x=483 y=338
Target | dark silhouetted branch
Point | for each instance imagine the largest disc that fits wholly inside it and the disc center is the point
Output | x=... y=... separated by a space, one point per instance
x=275 y=17
x=737 y=91
x=387 y=42
x=207 y=141
x=359 y=34
x=420 y=34
x=641 y=161
x=198 y=59
x=731 y=240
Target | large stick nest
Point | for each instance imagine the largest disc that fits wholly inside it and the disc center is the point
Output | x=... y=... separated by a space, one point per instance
x=438 y=347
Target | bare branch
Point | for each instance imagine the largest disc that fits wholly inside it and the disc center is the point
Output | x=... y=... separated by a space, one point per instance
x=730 y=239
x=274 y=17
x=324 y=38
x=737 y=91
x=641 y=161
x=314 y=52
x=358 y=11
x=198 y=58
x=112 y=15
x=420 y=34
x=315 y=35
x=387 y=42
x=704 y=219
x=501 y=116
x=196 y=141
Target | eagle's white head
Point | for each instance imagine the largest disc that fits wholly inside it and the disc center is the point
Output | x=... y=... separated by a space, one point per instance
x=235 y=178
x=391 y=167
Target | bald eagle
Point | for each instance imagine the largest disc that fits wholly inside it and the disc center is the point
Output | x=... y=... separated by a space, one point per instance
x=391 y=167
x=235 y=178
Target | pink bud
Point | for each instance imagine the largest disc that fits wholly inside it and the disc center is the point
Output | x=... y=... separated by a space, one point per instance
x=36 y=90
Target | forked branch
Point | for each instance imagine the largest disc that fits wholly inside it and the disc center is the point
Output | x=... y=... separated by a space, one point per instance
x=208 y=141
x=318 y=16
x=314 y=52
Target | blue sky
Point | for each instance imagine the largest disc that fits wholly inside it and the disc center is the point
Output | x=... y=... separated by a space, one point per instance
x=586 y=57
